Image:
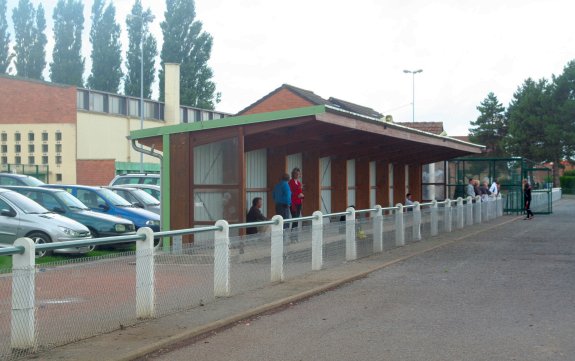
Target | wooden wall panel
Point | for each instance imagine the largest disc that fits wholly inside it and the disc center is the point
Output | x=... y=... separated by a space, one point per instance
x=181 y=166
x=276 y=167
x=399 y=183
x=338 y=184
x=312 y=186
x=382 y=183
x=415 y=181
x=362 y=183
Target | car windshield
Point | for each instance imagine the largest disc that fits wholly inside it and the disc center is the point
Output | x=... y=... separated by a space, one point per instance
x=24 y=203
x=114 y=198
x=70 y=201
x=146 y=198
x=32 y=182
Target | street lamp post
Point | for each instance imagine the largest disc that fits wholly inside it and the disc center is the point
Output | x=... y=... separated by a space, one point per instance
x=141 y=81
x=413 y=72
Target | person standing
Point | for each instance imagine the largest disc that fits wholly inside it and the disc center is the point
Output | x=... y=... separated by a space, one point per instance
x=469 y=191
x=282 y=198
x=494 y=189
x=527 y=198
x=296 y=189
x=255 y=215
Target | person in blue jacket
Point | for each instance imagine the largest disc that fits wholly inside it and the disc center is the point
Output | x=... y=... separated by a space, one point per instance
x=282 y=198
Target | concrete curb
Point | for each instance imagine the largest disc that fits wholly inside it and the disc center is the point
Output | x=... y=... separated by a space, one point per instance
x=202 y=330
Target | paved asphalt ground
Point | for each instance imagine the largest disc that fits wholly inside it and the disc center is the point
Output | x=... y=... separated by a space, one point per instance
x=506 y=294
x=504 y=290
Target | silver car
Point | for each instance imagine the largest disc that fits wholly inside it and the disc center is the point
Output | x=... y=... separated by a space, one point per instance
x=22 y=217
x=138 y=198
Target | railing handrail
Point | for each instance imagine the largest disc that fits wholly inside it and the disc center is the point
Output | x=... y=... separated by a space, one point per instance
x=11 y=250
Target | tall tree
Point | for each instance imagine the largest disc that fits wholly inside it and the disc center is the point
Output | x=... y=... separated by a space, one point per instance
x=67 y=66
x=30 y=47
x=185 y=43
x=5 y=53
x=490 y=128
x=106 y=48
x=138 y=26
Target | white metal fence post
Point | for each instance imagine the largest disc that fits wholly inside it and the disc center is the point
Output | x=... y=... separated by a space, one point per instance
x=477 y=209
x=277 y=251
x=145 y=290
x=378 y=230
x=317 y=241
x=350 y=244
x=447 y=216
x=469 y=209
x=460 y=219
x=222 y=259
x=434 y=218
x=416 y=221
x=484 y=212
x=499 y=205
x=23 y=327
x=399 y=230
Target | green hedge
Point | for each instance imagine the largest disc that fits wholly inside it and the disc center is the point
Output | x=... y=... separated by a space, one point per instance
x=569 y=173
x=567 y=184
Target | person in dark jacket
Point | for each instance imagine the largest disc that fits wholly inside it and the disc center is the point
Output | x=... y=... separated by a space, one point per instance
x=527 y=198
x=255 y=215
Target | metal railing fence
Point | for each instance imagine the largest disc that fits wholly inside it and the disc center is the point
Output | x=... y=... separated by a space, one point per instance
x=43 y=306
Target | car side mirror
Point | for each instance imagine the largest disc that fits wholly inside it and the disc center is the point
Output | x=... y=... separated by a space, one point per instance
x=8 y=213
x=139 y=205
x=58 y=210
x=104 y=207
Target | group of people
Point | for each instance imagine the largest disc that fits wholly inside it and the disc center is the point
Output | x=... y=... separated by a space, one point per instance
x=474 y=188
x=288 y=198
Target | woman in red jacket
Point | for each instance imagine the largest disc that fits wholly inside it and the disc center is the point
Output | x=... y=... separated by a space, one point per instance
x=296 y=194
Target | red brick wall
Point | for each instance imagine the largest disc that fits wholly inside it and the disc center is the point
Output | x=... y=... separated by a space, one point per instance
x=95 y=172
x=35 y=102
x=282 y=100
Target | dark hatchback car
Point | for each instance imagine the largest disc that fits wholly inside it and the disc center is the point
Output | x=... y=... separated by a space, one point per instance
x=62 y=202
x=13 y=179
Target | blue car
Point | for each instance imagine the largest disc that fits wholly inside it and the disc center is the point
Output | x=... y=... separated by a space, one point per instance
x=103 y=200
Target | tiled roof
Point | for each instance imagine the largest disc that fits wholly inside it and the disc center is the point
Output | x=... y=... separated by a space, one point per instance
x=306 y=94
x=464 y=138
x=430 y=127
x=355 y=108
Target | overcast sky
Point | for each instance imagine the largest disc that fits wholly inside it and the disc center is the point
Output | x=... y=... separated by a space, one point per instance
x=357 y=50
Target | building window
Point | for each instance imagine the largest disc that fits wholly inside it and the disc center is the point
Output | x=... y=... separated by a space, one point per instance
x=116 y=105
x=17 y=136
x=44 y=136
x=58 y=159
x=4 y=148
x=58 y=136
x=58 y=177
x=58 y=148
x=4 y=160
x=17 y=148
x=4 y=137
x=31 y=160
x=17 y=159
x=97 y=102
x=82 y=99
x=44 y=148
x=134 y=106
x=31 y=137
x=30 y=148
x=45 y=159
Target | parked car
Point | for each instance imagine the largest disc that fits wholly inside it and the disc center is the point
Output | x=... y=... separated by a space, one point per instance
x=103 y=200
x=13 y=179
x=22 y=217
x=136 y=178
x=138 y=197
x=151 y=189
x=62 y=202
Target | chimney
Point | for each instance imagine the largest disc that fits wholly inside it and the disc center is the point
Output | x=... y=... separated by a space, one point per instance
x=172 y=93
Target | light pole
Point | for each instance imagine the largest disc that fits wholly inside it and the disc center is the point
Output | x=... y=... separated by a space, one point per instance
x=413 y=72
x=141 y=81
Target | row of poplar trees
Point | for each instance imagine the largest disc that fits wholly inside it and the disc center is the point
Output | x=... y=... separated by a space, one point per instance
x=184 y=42
x=538 y=124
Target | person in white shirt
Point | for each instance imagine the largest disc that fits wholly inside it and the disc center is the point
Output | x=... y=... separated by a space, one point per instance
x=494 y=189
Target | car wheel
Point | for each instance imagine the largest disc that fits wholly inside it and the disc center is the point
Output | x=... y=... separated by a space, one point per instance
x=40 y=238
